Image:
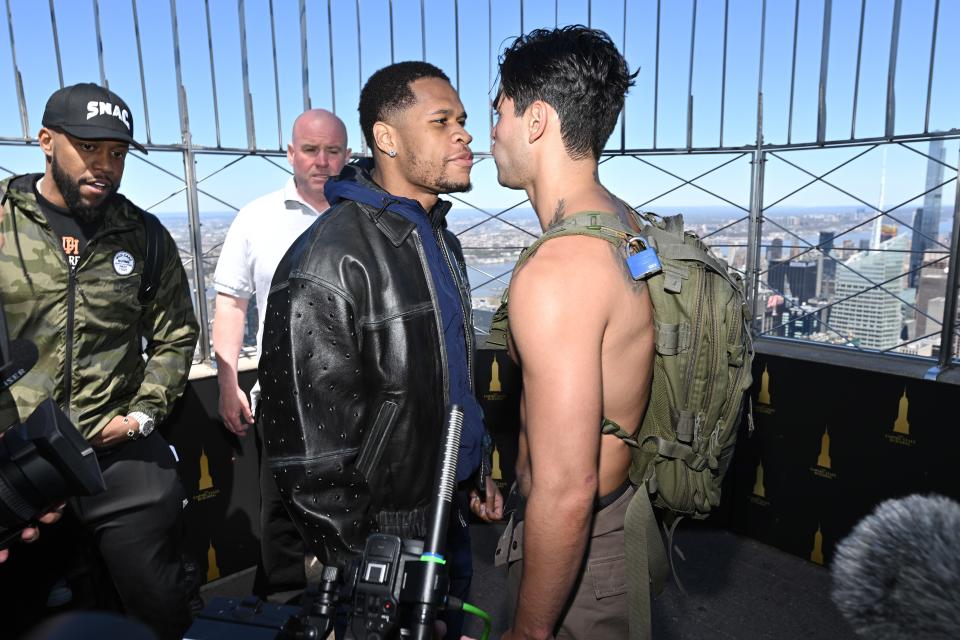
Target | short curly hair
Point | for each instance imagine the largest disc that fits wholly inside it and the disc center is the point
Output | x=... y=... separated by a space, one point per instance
x=576 y=70
x=388 y=92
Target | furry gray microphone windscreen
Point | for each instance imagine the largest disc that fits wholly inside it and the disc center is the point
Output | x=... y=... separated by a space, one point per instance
x=897 y=575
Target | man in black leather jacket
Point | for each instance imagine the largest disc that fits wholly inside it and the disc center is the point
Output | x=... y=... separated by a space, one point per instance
x=368 y=334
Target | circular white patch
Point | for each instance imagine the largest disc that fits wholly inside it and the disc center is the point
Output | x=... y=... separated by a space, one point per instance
x=123 y=263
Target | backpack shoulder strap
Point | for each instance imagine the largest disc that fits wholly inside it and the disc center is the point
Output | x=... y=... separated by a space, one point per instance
x=154 y=259
x=596 y=224
x=647 y=566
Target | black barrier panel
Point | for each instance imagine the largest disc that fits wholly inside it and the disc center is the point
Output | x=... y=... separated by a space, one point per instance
x=219 y=472
x=830 y=444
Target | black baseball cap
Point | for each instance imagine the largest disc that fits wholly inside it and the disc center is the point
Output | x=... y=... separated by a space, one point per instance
x=90 y=112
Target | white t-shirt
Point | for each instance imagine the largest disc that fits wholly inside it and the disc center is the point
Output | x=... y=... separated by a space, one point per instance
x=256 y=241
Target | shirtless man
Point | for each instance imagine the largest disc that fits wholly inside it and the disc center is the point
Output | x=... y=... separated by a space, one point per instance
x=582 y=331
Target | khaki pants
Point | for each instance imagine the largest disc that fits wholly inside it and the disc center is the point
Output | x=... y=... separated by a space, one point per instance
x=598 y=607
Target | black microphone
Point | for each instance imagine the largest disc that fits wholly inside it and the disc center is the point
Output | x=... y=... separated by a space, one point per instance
x=897 y=575
x=431 y=586
x=17 y=361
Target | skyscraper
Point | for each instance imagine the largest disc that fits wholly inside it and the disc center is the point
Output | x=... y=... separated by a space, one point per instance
x=828 y=272
x=872 y=317
x=926 y=221
x=775 y=250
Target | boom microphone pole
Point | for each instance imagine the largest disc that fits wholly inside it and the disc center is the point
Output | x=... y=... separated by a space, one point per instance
x=427 y=599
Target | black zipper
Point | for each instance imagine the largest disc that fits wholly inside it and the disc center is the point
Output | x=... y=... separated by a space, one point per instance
x=68 y=362
x=435 y=299
x=71 y=303
x=467 y=333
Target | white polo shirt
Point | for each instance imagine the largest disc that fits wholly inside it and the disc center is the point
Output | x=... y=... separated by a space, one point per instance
x=258 y=238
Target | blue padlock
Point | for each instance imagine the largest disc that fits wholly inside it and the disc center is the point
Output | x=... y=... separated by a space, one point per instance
x=644 y=263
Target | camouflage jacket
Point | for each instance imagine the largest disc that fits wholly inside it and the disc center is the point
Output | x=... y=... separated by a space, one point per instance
x=88 y=324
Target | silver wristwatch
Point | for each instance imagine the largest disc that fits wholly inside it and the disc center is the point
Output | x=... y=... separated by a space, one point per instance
x=146 y=424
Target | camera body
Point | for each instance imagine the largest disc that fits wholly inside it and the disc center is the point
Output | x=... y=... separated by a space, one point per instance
x=377 y=595
x=395 y=588
x=42 y=462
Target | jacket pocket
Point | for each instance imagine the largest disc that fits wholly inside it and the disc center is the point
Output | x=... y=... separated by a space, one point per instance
x=375 y=442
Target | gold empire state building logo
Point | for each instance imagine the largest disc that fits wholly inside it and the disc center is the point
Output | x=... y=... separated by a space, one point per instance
x=817 y=554
x=758 y=489
x=824 y=463
x=901 y=426
x=495 y=388
x=823 y=460
x=496 y=473
x=206 y=480
x=205 y=488
x=764 y=403
x=213 y=571
x=759 y=496
x=495 y=376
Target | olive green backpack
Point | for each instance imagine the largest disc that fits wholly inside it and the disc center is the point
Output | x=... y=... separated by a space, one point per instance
x=702 y=370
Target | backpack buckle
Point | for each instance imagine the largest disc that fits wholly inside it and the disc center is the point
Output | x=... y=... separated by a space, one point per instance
x=644 y=263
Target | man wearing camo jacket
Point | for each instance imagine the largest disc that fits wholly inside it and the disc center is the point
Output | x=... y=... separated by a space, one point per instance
x=115 y=360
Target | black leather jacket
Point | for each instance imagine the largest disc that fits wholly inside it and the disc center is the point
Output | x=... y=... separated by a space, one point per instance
x=351 y=372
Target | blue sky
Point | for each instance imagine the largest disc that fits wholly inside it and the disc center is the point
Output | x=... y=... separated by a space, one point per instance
x=469 y=54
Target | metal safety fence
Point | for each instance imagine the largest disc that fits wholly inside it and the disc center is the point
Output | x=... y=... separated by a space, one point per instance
x=731 y=113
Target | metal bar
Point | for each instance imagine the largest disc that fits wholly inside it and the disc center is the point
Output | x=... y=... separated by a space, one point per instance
x=96 y=23
x=656 y=78
x=363 y=140
x=56 y=43
x=17 y=78
x=304 y=64
x=276 y=75
x=693 y=40
x=556 y=13
x=590 y=13
x=856 y=79
x=143 y=82
x=755 y=227
x=824 y=64
x=333 y=85
x=928 y=156
x=723 y=76
x=820 y=177
x=892 y=69
x=283 y=167
x=193 y=204
x=793 y=70
x=213 y=73
x=492 y=216
x=245 y=72
x=947 y=333
x=933 y=51
x=193 y=212
x=763 y=47
x=390 y=7
x=691 y=181
x=456 y=40
x=423 y=32
x=623 y=112
x=490 y=63
x=522 y=26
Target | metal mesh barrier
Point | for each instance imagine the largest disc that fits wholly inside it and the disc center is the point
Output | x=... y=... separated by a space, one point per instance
x=730 y=112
